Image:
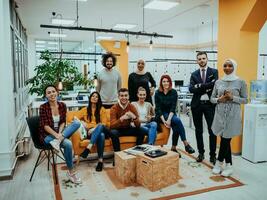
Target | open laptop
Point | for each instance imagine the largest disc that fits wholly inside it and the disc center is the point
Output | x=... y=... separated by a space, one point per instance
x=82 y=98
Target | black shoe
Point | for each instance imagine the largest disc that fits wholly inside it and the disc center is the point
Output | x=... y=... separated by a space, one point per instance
x=189 y=149
x=175 y=150
x=200 y=158
x=99 y=167
x=85 y=153
x=113 y=163
x=213 y=159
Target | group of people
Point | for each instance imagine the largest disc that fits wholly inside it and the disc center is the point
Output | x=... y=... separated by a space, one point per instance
x=132 y=112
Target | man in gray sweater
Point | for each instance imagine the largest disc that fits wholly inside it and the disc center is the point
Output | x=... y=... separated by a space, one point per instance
x=108 y=81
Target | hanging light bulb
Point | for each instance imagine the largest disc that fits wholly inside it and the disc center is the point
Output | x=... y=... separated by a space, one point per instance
x=60 y=85
x=95 y=80
x=151 y=45
x=128 y=47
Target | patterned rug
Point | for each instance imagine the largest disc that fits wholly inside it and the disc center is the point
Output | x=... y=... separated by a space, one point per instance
x=195 y=178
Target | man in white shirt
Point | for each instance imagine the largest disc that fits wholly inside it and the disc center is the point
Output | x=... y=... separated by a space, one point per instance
x=108 y=81
x=201 y=85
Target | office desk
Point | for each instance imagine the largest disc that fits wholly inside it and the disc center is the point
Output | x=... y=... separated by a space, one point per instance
x=184 y=109
x=71 y=104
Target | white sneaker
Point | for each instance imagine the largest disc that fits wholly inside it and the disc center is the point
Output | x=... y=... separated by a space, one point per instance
x=55 y=144
x=74 y=178
x=217 y=169
x=228 y=171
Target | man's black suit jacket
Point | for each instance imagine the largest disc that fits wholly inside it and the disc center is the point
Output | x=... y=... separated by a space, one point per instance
x=202 y=88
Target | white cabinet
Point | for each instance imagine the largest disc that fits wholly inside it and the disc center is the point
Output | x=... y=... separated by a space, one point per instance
x=254 y=147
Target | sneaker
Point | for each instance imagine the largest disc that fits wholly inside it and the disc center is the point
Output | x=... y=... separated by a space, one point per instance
x=217 y=169
x=200 y=157
x=228 y=171
x=85 y=153
x=213 y=159
x=74 y=178
x=55 y=144
x=99 y=167
x=189 y=149
x=175 y=150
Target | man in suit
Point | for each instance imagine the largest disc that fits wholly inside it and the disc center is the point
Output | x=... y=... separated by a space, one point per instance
x=201 y=85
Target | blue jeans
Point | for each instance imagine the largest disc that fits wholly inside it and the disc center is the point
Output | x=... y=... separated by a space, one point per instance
x=151 y=130
x=177 y=128
x=98 y=138
x=66 y=143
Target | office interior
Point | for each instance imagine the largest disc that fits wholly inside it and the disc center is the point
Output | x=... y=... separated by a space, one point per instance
x=170 y=41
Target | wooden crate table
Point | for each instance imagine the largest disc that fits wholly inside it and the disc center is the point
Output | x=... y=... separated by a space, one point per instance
x=157 y=173
x=125 y=167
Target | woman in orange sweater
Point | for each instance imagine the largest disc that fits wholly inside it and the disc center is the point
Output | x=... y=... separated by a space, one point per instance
x=94 y=119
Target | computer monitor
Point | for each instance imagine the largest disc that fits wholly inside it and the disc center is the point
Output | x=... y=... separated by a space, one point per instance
x=184 y=89
x=178 y=83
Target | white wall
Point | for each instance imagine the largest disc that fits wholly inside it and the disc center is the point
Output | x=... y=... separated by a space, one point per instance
x=7 y=122
x=262 y=50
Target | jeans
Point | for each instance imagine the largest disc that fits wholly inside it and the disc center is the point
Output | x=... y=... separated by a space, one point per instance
x=151 y=130
x=177 y=128
x=225 y=150
x=115 y=134
x=98 y=138
x=66 y=143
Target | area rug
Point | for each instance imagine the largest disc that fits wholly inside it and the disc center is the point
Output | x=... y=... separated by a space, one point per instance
x=195 y=178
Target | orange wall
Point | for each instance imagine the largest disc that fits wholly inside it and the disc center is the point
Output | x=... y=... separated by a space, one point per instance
x=122 y=59
x=238 y=39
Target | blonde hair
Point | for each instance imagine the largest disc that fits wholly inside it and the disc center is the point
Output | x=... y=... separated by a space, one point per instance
x=141 y=89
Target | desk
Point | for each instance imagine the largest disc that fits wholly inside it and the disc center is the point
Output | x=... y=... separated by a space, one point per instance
x=184 y=109
x=35 y=105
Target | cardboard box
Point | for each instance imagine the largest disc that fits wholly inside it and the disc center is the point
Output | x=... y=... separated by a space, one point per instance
x=157 y=173
x=125 y=167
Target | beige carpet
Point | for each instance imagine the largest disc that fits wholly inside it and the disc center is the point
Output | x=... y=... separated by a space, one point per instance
x=195 y=178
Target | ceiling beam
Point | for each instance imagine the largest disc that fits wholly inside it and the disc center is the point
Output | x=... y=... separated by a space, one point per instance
x=80 y=28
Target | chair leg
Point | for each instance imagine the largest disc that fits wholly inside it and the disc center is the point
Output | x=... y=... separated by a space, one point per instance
x=36 y=164
x=48 y=159
x=55 y=167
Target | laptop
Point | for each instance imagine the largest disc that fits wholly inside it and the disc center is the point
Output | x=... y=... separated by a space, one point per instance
x=155 y=153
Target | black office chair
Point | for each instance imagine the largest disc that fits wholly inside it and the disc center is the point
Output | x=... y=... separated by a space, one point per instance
x=45 y=151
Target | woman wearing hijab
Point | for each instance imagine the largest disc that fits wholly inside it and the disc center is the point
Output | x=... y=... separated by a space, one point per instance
x=141 y=78
x=229 y=93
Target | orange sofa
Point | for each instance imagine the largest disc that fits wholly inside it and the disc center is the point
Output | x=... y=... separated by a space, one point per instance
x=126 y=142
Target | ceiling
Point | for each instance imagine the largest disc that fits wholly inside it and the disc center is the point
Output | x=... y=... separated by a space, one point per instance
x=106 y=13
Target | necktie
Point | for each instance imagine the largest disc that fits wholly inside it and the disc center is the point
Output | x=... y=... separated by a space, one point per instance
x=203 y=75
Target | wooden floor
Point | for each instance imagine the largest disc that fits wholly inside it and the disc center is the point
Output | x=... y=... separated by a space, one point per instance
x=254 y=176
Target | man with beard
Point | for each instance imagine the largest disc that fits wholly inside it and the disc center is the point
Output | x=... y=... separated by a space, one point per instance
x=124 y=121
x=201 y=85
x=108 y=81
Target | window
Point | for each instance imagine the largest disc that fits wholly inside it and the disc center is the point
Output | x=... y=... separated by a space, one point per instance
x=19 y=55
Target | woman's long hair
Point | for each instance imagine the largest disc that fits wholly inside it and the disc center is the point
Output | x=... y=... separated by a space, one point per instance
x=97 y=110
x=160 y=82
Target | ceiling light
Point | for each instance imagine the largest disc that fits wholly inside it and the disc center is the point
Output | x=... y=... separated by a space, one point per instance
x=161 y=5
x=124 y=26
x=39 y=42
x=128 y=47
x=151 y=44
x=104 y=37
x=57 y=35
x=63 y=21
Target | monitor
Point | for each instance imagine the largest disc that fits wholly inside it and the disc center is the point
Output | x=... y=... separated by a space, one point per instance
x=178 y=83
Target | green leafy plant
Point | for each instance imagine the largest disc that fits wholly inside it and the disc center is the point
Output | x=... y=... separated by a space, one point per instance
x=54 y=70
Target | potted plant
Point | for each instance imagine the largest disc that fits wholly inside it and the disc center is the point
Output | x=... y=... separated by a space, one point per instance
x=53 y=71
